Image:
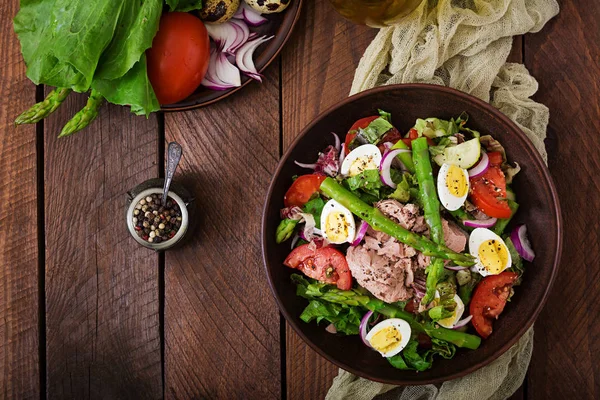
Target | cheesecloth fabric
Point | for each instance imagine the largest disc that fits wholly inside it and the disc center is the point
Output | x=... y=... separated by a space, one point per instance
x=463 y=44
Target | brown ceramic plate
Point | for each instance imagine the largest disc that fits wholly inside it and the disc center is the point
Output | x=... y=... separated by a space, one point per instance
x=539 y=209
x=279 y=24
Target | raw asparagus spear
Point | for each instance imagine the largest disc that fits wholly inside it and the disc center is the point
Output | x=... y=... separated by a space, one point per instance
x=44 y=108
x=84 y=116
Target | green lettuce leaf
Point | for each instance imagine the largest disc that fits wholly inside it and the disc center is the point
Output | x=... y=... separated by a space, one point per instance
x=368 y=181
x=435 y=127
x=184 y=5
x=346 y=319
x=375 y=130
x=413 y=358
x=315 y=207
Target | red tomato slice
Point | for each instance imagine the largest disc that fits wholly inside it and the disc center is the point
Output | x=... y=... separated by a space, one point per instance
x=488 y=193
x=495 y=158
x=489 y=300
x=178 y=58
x=413 y=134
x=302 y=190
x=325 y=264
x=362 y=124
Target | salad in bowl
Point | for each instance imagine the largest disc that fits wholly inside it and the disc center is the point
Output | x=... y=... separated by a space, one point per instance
x=401 y=238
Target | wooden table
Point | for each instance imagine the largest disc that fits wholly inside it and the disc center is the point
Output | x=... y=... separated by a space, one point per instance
x=87 y=313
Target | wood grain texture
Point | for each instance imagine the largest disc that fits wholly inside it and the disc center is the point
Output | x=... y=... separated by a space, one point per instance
x=318 y=66
x=221 y=322
x=19 y=331
x=565 y=59
x=102 y=292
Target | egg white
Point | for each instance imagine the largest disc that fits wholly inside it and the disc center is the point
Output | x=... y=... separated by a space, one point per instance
x=367 y=153
x=458 y=312
x=333 y=206
x=479 y=236
x=448 y=200
x=401 y=325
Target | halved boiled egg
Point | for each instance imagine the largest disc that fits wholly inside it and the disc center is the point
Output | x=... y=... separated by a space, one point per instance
x=452 y=186
x=337 y=223
x=456 y=315
x=490 y=251
x=360 y=159
x=389 y=336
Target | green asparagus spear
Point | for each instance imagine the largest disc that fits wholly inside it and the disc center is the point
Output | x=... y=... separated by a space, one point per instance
x=431 y=210
x=332 y=189
x=406 y=158
x=84 y=116
x=285 y=230
x=44 y=108
x=314 y=289
x=502 y=223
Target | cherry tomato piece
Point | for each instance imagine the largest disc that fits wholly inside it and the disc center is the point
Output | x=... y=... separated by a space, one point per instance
x=489 y=300
x=325 y=264
x=488 y=193
x=302 y=190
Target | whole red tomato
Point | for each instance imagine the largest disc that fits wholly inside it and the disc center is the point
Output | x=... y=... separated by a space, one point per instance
x=178 y=58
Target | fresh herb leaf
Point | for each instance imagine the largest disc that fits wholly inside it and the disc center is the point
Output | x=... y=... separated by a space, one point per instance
x=315 y=207
x=375 y=130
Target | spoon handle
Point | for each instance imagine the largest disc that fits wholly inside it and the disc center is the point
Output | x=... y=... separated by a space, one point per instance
x=174 y=152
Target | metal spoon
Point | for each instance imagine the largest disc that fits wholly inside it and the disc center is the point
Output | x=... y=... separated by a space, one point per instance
x=174 y=152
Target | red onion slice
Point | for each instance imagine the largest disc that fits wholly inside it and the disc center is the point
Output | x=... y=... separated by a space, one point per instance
x=239 y=14
x=337 y=141
x=362 y=230
x=295 y=240
x=455 y=267
x=243 y=33
x=226 y=71
x=303 y=165
x=462 y=322
x=480 y=223
x=342 y=155
x=363 y=328
x=386 y=165
x=224 y=35
x=211 y=80
x=521 y=242
x=251 y=16
x=480 y=168
x=243 y=57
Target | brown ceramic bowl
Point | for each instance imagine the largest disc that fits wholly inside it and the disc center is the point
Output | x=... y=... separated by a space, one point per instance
x=280 y=25
x=539 y=209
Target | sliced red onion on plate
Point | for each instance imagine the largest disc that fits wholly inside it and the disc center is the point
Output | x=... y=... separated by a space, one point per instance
x=362 y=230
x=480 y=223
x=243 y=57
x=521 y=242
x=295 y=240
x=224 y=35
x=242 y=35
x=248 y=14
x=455 y=267
x=337 y=141
x=211 y=79
x=386 y=165
x=363 y=327
x=462 y=322
x=226 y=71
x=303 y=165
x=481 y=167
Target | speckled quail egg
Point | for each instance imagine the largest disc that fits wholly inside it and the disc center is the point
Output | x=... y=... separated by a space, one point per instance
x=218 y=11
x=268 y=6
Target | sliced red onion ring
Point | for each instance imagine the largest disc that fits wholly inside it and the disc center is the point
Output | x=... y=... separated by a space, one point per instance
x=462 y=322
x=303 y=165
x=239 y=14
x=226 y=71
x=362 y=230
x=480 y=223
x=243 y=33
x=251 y=16
x=295 y=240
x=363 y=328
x=211 y=80
x=243 y=57
x=337 y=141
x=342 y=154
x=455 y=267
x=521 y=242
x=224 y=35
x=386 y=165
x=480 y=168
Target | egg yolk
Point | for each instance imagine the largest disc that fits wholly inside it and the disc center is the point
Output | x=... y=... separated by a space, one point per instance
x=456 y=182
x=493 y=255
x=386 y=339
x=336 y=228
x=361 y=164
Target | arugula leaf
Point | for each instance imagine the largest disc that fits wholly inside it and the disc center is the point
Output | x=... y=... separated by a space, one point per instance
x=315 y=207
x=184 y=5
x=368 y=181
x=385 y=115
x=375 y=130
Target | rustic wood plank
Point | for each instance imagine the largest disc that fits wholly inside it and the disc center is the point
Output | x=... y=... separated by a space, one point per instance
x=19 y=330
x=222 y=331
x=102 y=292
x=565 y=58
x=317 y=72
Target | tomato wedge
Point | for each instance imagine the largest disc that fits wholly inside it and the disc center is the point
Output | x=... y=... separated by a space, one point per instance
x=362 y=124
x=495 y=158
x=489 y=300
x=325 y=264
x=302 y=190
x=488 y=193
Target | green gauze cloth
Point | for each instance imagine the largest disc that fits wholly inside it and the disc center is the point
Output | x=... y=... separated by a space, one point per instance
x=463 y=44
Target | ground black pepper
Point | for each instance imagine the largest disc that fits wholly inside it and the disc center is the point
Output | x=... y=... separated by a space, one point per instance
x=155 y=222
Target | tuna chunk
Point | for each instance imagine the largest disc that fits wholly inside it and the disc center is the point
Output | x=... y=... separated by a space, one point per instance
x=380 y=275
x=455 y=238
